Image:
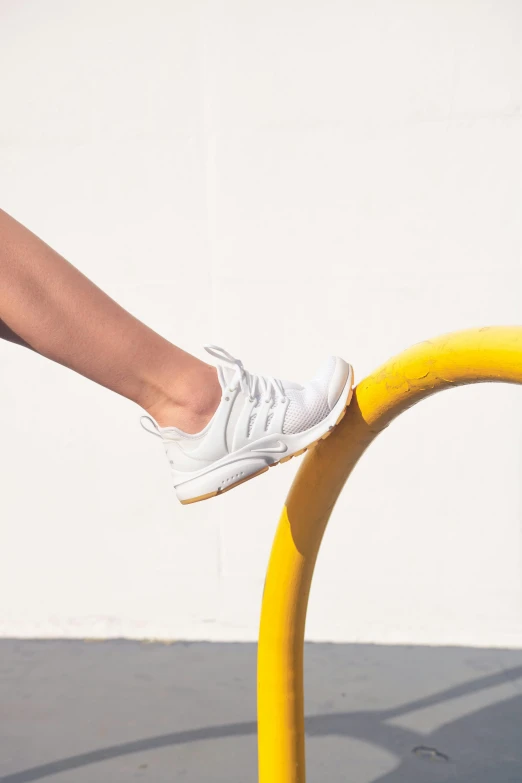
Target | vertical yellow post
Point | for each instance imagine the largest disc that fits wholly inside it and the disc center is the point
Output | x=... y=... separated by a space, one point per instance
x=473 y=356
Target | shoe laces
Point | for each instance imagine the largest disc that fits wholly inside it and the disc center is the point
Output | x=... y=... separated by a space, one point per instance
x=253 y=385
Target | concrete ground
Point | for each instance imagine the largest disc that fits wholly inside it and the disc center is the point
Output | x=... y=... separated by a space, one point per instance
x=115 y=711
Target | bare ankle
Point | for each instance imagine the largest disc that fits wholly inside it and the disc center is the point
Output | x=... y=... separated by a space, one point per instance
x=192 y=403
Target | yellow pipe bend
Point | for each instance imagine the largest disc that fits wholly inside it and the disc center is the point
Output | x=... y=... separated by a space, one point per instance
x=473 y=356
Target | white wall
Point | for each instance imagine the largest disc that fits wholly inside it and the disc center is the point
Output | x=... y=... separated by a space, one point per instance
x=286 y=179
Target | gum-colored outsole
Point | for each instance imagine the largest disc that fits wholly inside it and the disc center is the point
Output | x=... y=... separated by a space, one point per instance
x=264 y=470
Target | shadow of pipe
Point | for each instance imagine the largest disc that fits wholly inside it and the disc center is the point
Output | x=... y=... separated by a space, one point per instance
x=367 y=726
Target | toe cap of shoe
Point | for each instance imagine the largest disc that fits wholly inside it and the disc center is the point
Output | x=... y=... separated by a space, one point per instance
x=339 y=375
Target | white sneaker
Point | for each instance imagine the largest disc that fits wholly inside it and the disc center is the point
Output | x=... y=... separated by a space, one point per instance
x=259 y=422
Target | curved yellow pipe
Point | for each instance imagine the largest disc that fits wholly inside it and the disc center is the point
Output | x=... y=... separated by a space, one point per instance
x=474 y=356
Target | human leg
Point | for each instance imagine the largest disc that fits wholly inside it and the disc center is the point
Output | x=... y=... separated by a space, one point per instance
x=50 y=306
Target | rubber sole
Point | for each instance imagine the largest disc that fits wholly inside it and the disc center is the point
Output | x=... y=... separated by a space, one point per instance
x=279 y=462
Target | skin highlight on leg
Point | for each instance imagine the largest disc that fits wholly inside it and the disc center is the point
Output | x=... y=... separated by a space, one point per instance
x=48 y=305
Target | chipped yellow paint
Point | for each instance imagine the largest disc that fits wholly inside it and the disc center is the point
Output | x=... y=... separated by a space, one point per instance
x=474 y=356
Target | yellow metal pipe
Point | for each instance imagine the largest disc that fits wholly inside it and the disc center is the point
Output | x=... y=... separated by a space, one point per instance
x=473 y=356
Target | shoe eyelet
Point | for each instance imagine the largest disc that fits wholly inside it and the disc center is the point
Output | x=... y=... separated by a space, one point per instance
x=251 y=399
x=283 y=400
x=227 y=398
x=268 y=401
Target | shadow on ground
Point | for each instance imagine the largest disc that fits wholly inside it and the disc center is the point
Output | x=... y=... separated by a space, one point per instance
x=63 y=696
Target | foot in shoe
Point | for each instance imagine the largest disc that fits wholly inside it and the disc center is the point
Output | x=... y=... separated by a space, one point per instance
x=259 y=422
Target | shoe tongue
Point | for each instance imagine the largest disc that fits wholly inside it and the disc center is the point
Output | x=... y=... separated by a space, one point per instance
x=225 y=375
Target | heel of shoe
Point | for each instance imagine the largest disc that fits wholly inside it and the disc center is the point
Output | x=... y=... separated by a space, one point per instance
x=219 y=480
